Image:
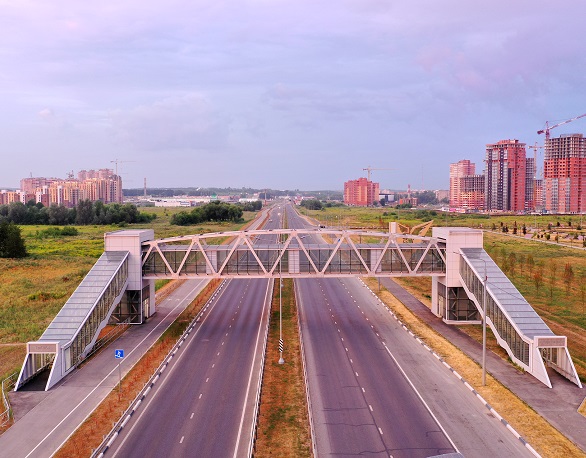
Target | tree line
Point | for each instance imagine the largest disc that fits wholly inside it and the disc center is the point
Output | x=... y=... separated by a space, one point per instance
x=86 y=212
x=214 y=211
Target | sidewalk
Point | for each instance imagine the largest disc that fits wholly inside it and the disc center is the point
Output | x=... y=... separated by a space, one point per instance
x=45 y=420
x=558 y=405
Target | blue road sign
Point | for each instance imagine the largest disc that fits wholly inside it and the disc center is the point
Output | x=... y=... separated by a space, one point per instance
x=118 y=354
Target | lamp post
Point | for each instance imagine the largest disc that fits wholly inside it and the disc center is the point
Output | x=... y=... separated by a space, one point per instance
x=281 y=360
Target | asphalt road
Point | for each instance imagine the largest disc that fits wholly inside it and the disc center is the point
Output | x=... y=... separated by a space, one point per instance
x=46 y=419
x=375 y=391
x=204 y=403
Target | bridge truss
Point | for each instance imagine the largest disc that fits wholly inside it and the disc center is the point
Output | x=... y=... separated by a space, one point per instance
x=298 y=254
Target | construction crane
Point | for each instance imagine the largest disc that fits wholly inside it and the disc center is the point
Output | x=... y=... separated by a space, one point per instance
x=369 y=169
x=116 y=161
x=548 y=127
x=535 y=148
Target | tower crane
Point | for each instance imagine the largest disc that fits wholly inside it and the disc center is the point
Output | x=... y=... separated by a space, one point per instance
x=116 y=161
x=548 y=127
x=369 y=169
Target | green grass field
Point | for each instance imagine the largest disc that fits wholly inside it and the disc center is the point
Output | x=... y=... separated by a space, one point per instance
x=33 y=289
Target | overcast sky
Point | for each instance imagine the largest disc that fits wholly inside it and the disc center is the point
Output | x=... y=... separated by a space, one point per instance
x=278 y=93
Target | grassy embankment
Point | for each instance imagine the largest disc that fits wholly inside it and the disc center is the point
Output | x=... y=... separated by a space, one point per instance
x=33 y=289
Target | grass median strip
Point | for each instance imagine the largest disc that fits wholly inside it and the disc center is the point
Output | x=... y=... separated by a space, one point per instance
x=283 y=425
x=547 y=440
x=90 y=434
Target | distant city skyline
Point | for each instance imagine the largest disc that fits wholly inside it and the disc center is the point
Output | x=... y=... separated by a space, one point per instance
x=283 y=95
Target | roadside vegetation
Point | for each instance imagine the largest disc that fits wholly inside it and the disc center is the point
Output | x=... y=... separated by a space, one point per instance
x=283 y=425
x=86 y=212
x=214 y=211
x=33 y=289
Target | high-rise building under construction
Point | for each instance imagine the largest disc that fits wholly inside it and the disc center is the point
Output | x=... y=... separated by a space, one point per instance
x=564 y=174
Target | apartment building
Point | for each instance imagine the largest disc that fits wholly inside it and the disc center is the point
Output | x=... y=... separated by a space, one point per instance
x=94 y=185
x=505 y=176
x=466 y=188
x=361 y=192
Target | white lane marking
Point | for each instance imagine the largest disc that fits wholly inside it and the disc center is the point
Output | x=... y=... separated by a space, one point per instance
x=251 y=372
x=181 y=441
x=109 y=374
x=140 y=414
x=420 y=398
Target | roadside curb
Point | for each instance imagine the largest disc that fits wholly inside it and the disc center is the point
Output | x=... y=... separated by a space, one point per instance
x=458 y=376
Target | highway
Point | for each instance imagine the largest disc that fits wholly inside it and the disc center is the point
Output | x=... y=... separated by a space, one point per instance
x=204 y=403
x=374 y=390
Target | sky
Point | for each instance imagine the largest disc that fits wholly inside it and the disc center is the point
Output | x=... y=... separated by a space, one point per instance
x=281 y=94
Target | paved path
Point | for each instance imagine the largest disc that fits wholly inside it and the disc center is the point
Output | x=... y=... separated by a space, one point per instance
x=51 y=417
x=558 y=405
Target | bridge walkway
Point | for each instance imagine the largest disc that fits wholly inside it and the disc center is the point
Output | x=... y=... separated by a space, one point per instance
x=73 y=332
x=527 y=339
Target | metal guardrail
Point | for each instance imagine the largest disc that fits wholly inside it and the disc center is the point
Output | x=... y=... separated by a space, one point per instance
x=7 y=385
x=304 y=365
x=256 y=414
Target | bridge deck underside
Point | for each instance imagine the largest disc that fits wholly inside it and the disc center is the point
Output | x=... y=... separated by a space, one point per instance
x=293 y=260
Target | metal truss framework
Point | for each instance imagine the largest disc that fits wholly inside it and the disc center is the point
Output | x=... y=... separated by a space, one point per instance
x=297 y=255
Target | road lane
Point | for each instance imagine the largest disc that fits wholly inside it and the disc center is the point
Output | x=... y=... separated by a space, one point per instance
x=204 y=404
x=362 y=403
x=196 y=407
x=374 y=345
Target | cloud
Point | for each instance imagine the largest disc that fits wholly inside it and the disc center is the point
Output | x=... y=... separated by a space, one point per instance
x=46 y=113
x=186 y=122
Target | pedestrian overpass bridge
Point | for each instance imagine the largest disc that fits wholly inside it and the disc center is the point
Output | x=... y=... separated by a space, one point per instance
x=120 y=286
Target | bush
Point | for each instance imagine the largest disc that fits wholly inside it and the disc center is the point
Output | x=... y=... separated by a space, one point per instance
x=11 y=242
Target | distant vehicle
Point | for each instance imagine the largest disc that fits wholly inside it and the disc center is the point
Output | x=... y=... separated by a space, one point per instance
x=322 y=226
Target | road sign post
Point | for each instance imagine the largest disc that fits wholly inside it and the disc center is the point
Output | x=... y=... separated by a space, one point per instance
x=119 y=355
